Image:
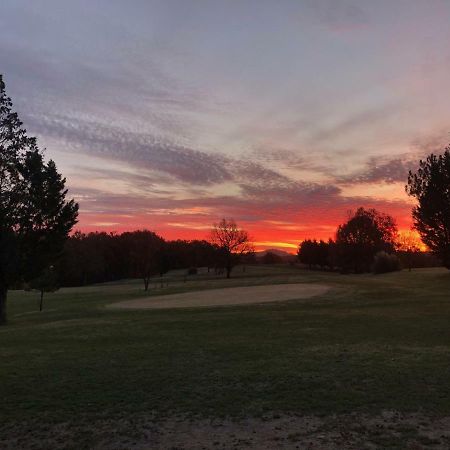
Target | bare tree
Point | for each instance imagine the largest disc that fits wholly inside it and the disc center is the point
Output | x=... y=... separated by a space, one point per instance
x=232 y=243
x=145 y=254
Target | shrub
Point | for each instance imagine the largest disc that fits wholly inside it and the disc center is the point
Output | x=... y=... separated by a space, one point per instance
x=192 y=271
x=384 y=262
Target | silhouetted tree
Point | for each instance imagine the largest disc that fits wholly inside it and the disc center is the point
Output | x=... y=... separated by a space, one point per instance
x=430 y=185
x=46 y=282
x=366 y=233
x=92 y=258
x=306 y=252
x=232 y=243
x=35 y=218
x=99 y=257
x=145 y=255
x=332 y=257
x=408 y=244
x=316 y=253
x=202 y=254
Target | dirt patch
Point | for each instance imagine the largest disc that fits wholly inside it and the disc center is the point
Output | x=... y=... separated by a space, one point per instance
x=389 y=429
x=226 y=297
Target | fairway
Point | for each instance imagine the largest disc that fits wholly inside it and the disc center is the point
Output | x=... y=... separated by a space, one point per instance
x=227 y=297
x=363 y=364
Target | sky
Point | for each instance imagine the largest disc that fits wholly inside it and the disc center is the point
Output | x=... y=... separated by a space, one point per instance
x=284 y=115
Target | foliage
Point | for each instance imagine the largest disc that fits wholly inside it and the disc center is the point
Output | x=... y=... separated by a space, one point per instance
x=232 y=243
x=145 y=254
x=47 y=281
x=430 y=185
x=408 y=245
x=99 y=257
x=35 y=218
x=366 y=232
x=316 y=253
x=385 y=262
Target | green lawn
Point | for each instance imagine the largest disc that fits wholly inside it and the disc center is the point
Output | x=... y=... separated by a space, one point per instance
x=372 y=343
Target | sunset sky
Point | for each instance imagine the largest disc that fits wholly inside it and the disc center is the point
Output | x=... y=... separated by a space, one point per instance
x=283 y=115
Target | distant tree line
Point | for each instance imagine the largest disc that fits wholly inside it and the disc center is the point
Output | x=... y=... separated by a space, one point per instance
x=101 y=257
x=366 y=233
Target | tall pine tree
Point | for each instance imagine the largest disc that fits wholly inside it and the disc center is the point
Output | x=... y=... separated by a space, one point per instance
x=430 y=185
x=35 y=218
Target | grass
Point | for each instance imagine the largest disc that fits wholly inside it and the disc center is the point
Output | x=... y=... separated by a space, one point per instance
x=372 y=343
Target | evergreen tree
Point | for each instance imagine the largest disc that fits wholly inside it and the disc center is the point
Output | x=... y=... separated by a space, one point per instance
x=35 y=218
x=430 y=185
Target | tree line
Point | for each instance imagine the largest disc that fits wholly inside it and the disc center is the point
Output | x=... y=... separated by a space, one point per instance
x=101 y=257
x=368 y=240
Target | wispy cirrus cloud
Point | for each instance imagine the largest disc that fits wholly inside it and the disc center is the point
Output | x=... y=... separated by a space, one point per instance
x=387 y=170
x=140 y=150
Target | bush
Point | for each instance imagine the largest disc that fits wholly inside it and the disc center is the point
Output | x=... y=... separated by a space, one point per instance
x=384 y=262
x=192 y=271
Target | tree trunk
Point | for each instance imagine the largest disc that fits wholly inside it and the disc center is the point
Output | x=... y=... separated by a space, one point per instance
x=146 y=282
x=228 y=271
x=41 y=303
x=3 y=295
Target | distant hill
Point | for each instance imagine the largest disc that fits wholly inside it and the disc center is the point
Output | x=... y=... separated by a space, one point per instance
x=281 y=253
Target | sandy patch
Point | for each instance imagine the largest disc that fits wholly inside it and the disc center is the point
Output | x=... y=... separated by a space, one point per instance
x=226 y=297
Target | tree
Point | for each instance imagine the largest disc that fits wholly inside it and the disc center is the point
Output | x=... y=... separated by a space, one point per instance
x=306 y=252
x=316 y=253
x=408 y=243
x=430 y=185
x=232 y=243
x=146 y=257
x=35 y=218
x=45 y=282
x=366 y=233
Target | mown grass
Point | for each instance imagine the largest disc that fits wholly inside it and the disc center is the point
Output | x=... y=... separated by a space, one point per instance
x=371 y=343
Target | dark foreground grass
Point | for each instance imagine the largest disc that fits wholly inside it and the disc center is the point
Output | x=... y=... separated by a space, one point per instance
x=372 y=343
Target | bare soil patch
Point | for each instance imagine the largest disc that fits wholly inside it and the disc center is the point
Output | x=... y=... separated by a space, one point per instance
x=226 y=297
x=389 y=429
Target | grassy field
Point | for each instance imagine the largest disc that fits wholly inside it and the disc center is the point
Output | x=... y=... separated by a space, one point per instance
x=371 y=344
